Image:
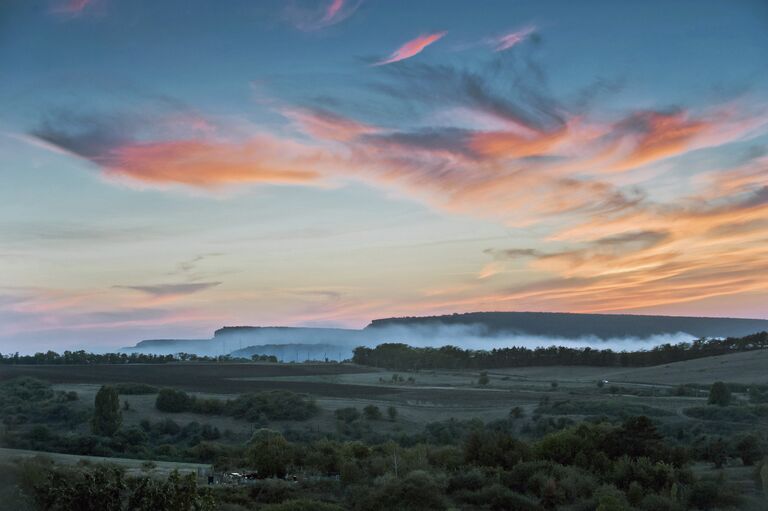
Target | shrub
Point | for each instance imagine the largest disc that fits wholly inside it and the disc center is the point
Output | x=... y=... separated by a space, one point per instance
x=172 y=400
x=747 y=414
x=302 y=505
x=417 y=491
x=719 y=394
x=372 y=412
x=349 y=414
x=135 y=389
x=273 y=405
x=749 y=450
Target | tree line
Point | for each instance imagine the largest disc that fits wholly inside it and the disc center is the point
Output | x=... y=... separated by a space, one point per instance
x=398 y=356
x=82 y=357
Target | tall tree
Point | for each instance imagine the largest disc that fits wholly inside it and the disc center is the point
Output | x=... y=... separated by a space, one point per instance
x=107 y=417
x=270 y=453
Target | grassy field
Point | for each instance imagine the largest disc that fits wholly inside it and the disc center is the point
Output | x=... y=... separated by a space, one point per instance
x=428 y=396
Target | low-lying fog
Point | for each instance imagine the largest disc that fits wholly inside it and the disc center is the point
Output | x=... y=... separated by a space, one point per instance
x=313 y=344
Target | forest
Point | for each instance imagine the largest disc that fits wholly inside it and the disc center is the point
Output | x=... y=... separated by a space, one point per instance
x=404 y=357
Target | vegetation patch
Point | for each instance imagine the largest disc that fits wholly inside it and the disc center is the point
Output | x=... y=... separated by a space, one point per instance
x=743 y=413
x=253 y=407
x=607 y=408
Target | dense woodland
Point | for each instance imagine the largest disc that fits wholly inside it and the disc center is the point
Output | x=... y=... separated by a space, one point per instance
x=403 y=357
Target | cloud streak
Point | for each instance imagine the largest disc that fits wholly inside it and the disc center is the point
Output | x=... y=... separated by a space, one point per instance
x=71 y=7
x=172 y=290
x=508 y=40
x=326 y=14
x=412 y=48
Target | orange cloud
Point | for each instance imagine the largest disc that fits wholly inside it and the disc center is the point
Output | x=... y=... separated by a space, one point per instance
x=655 y=136
x=505 y=144
x=202 y=163
x=412 y=47
x=324 y=125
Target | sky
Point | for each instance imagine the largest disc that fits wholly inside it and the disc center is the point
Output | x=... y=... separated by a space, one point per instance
x=167 y=168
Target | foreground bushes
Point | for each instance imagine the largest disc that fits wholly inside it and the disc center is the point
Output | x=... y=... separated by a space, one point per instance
x=106 y=488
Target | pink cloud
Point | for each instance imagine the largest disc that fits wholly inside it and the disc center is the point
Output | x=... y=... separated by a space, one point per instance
x=511 y=39
x=412 y=47
x=309 y=19
x=333 y=9
x=72 y=7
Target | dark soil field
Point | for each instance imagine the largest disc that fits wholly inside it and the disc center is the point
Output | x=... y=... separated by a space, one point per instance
x=210 y=378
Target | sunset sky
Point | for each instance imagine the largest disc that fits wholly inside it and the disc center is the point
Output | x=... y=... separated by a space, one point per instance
x=170 y=167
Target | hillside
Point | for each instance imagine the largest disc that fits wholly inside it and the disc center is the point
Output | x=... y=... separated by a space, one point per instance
x=571 y=325
x=457 y=329
x=746 y=367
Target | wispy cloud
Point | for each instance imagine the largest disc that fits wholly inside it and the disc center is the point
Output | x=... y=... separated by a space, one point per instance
x=494 y=143
x=123 y=147
x=412 y=48
x=71 y=7
x=324 y=14
x=510 y=39
x=166 y=290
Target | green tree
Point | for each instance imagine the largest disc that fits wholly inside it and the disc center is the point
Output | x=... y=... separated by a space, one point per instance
x=749 y=450
x=719 y=394
x=610 y=498
x=107 y=417
x=269 y=453
x=372 y=413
